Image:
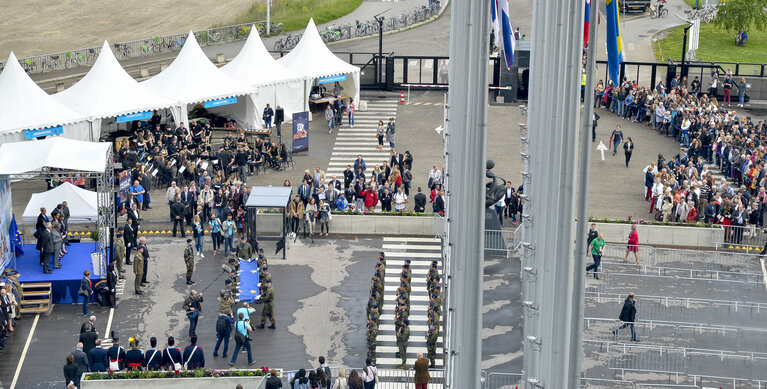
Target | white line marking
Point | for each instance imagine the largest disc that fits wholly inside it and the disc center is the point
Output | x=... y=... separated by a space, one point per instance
x=24 y=352
x=109 y=322
x=764 y=271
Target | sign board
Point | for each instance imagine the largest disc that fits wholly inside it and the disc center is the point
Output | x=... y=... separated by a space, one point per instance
x=33 y=134
x=300 y=131
x=220 y=102
x=130 y=117
x=125 y=183
x=338 y=78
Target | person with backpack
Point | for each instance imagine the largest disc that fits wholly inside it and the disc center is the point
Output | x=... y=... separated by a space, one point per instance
x=300 y=381
x=369 y=374
x=223 y=332
x=324 y=366
x=242 y=329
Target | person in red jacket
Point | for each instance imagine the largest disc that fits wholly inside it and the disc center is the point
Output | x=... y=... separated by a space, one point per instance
x=371 y=199
x=633 y=244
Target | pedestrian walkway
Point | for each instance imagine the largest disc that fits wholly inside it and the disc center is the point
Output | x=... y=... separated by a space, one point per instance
x=361 y=139
x=421 y=251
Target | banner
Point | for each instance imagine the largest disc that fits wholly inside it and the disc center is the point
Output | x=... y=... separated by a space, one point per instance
x=6 y=215
x=338 y=78
x=220 y=102
x=34 y=134
x=130 y=117
x=300 y=131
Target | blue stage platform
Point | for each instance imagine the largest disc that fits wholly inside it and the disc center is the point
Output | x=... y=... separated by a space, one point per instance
x=65 y=282
x=249 y=281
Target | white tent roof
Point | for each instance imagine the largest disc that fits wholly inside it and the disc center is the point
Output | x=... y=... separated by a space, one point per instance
x=311 y=58
x=255 y=66
x=107 y=90
x=24 y=105
x=56 y=152
x=82 y=203
x=192 y=78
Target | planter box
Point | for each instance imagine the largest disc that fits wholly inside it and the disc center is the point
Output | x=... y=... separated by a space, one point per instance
x=663 y=235
x=175 y=383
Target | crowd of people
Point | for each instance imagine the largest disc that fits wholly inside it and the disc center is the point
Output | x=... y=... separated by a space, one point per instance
x=682 y=188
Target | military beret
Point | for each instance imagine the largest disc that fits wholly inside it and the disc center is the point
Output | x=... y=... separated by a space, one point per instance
x=119 y=235
x=374 y=306
x=405 y=321
x=228 y=281
x=403 y=284
x=406 y=265
x=265 y=268
x=188 y=240
x=407 y=260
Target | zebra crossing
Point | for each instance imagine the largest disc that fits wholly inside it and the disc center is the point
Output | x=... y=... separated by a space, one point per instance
x=361 y=139
x=421 y=251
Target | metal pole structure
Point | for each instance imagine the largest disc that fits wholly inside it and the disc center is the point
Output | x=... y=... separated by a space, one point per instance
x=581 y=252
x=684 y=50
x=268 y=17
x=379 y=62
x=552 y=127
x=466 y=136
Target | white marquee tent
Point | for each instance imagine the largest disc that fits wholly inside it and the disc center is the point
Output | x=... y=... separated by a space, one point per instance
x=54 y=153
x=191 y=78
x=311 y=58
x=83 y=207
x=274 y=83
x=107 y=91
x=24 y=105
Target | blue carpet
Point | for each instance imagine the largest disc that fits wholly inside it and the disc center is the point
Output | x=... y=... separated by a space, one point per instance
x=249 y=281
x=65 y=281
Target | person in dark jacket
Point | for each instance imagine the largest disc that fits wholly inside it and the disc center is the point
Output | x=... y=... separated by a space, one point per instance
x=134 y=358
x=98 y=358
x=593 y=234
x=81 y=359
x=193 y=357
x=86 y=290
x=153 y=356
x=420 y=201
x=627 y=316
x=72 y=372
x=88 y=339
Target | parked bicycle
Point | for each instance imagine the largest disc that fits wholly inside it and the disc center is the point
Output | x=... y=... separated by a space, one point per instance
x=123 y=50
x=49 y=62
x=274 y=28
x=28 y=65
x=366 y=28
x=146 y=46
x=73 y=59
x=238 y=32
x=287 y=43
x=331 y=34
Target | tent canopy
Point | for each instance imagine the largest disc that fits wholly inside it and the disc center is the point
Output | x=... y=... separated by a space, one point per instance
x=56 y=153
x=24 y=105
x=107 y=90
x=269 y=197
x=255 y=66
x=82 y=204
x=192 y=78
x=311 y=58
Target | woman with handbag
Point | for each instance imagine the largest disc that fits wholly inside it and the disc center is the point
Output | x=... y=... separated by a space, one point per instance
x=310 y=213
x=86 y=290
x=215 y=232
x=380 y=134
x=199 y=232
x=369 y=374
x=324 y=217
x=241 y=331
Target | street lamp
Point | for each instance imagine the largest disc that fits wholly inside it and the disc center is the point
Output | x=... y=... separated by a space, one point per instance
x=379 y=65
x=684 y=42
x=268 y=19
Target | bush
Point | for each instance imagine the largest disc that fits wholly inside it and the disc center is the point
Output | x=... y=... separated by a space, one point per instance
x=197 y=373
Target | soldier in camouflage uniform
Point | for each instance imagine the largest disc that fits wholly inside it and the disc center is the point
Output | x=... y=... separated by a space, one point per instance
x=406 y=267
x=403 y=335
x=431 y=343
x=371 y=341
x=268 y=310
x=265 y=278
x=433 y=272
x=244 y=249
x=374 y=315
x=189 y=261
x=371 y=301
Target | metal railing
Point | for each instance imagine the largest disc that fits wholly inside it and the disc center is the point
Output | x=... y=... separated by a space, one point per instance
x=683 y=286
x=707 y=260
x=440 y=226
x=505 y=380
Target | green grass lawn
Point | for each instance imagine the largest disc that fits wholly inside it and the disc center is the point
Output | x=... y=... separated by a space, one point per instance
x=295 y=14
x=716 y=45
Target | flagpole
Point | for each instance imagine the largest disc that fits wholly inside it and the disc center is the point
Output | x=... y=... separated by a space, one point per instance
x=576 y=328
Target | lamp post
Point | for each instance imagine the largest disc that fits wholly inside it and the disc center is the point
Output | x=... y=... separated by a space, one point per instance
x=684 y=50
x=379 y=65
x=268 y=18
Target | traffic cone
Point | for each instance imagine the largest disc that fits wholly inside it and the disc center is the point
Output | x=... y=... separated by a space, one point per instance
x=402 y=97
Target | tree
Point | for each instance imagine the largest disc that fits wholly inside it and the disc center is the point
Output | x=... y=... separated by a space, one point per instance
x=741 y=15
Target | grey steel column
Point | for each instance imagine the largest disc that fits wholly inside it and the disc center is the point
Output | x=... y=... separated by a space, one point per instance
x=553 y=117
x=581 y=252
x=466 y=135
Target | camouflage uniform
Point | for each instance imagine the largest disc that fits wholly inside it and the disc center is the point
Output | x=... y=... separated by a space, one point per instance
x=403 y=335
x=431 y=343
x=268 y=311
x=372 y=335
x=189 y=261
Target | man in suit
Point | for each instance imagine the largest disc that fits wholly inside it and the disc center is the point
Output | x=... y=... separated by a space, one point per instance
x=189 y=197
x=91 y=322
x=98 y=358
x=304 y=192
x=334 y=183
x=88 y=339
x=134 y=215
x=348 y=177
x=177 y=210
x=81 y=359
x=235 y=197
x=46 y=244
x=129 y=234
x=65 y=222
x=112 y=277
x=396 y=160
x=508 y=196
x=420 y=201
x=146 y=182
x=439 y=203
x=42 y=218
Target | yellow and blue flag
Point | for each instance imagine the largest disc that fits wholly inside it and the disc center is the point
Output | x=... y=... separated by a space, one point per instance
x=615 y=54
x=15 y=235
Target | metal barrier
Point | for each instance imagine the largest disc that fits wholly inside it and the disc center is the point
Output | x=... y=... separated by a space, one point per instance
x=707 y=260
x=440 y=226
x=750 y=235
x=505 y=380
x=601 y=383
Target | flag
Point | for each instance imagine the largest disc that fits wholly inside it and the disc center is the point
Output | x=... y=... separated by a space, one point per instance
x=15 y=234
x=586 y=22
x=495 y=21
x=507 y=32
x=615 y=54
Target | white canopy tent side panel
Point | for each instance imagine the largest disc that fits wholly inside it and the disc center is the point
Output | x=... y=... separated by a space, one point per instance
x=82 y=204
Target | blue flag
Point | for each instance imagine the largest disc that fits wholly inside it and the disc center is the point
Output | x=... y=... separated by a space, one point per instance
x=615 y=54
x=15 y=234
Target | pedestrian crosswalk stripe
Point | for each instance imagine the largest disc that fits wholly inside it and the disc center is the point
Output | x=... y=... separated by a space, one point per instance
x=407 y=239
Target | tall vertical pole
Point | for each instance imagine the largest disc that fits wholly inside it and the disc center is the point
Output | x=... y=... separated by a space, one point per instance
x=268 y=17
x=552 y=125
x=576 y=328
x=379 y=62
x=684 y=50
x=466 y=135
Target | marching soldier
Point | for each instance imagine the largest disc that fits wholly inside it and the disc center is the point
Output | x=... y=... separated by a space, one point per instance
x=267 y=312
x=189 y=261
x=371 y=302
x=244 y=250
x=406 y=268
x=402 y=290
x=403 y=335
x=434 y=284
x=437 y=295
x=433 y=272
x=261 y=258
x=371 y=341
x=120 y=252
x=374 y=315
x=431 y=343
x=138 y=269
